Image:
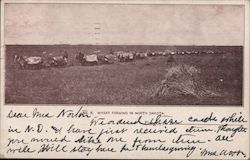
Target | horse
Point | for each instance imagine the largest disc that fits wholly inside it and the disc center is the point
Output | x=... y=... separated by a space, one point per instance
x=57 y=61
x=87 y=59
x=29 y=62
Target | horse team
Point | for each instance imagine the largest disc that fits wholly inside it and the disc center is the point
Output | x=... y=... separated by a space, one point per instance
x=36 y=62
x=48 y=60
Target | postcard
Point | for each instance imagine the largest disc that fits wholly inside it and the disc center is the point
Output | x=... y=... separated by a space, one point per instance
x=125 y=79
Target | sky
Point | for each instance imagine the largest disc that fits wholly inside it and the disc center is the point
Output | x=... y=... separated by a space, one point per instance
x=121 y=24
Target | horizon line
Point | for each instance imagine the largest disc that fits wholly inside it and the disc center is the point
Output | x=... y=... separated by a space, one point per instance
x=123 y=44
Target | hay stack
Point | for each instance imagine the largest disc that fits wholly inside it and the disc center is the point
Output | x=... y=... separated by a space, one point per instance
x=182 y=80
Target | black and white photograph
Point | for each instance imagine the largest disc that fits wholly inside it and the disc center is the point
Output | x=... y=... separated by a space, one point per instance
x=124 y=54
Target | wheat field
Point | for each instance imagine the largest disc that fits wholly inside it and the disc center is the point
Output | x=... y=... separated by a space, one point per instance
x=139 y=82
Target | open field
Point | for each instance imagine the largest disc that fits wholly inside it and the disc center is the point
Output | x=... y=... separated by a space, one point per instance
x=129 y=83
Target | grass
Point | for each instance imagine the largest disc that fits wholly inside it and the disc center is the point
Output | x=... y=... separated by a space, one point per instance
x=130 y=83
